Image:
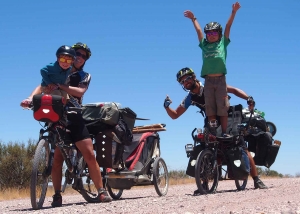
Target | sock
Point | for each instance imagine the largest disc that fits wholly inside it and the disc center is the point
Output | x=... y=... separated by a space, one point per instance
x=255 y=178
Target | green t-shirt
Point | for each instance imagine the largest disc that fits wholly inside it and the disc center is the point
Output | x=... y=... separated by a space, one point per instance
x=214 y=56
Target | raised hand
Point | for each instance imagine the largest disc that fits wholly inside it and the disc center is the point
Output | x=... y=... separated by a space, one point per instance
x=189 y=14
x=167 y=102
x=236 y=6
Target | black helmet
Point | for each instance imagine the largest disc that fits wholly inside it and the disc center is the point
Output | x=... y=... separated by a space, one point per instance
x=213 y=26
x=66 y=50
x=80 y=45
x=183 y=72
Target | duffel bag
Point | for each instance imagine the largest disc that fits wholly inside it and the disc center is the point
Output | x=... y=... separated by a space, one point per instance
x=104 y=112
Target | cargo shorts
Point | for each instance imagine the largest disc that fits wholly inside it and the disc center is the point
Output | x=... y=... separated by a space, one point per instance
x=215 y=93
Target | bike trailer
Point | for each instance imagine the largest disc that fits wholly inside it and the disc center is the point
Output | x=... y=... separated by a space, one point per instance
x=48 y=108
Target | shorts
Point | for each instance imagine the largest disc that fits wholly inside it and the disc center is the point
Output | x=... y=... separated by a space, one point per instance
x=77 y=128
x=215 y=94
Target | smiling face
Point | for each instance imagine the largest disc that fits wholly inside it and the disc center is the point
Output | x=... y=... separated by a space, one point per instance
x=65 y=61
x=187 y=81
x=80 y=58
x=212 y=36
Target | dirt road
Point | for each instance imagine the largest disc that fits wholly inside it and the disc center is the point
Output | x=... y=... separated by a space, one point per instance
x=283 y=196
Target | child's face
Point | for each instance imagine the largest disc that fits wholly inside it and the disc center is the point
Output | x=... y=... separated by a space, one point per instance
x=212 y=36
x=65 y=61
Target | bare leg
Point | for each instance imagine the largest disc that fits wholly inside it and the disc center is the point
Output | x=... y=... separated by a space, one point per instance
x=86 y=148
x=223 y=123
x=253 y=171
x=56 y=172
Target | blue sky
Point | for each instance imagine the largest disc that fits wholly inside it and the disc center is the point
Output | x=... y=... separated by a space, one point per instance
x=137 y=48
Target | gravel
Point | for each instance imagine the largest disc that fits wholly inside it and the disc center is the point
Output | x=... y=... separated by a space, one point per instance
x=283 y=196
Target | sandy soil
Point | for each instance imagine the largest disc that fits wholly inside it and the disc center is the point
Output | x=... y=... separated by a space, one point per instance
x=283 y=196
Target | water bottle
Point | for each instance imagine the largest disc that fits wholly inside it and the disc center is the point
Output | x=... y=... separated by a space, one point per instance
x=261 y=113
x=73 y=155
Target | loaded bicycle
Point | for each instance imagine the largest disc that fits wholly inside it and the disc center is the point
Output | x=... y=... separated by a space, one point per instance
x=50 y=109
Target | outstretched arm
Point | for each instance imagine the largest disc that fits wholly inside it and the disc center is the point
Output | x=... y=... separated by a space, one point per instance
x=174 y=114
x=235 y=8
x=189 y=14
x=241 y=94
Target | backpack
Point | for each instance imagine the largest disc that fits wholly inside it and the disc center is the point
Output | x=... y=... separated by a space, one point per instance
x=235 y=117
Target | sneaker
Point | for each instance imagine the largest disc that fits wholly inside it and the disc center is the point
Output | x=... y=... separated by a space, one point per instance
x=103 y=196
x=259 y=184
x=57 y=200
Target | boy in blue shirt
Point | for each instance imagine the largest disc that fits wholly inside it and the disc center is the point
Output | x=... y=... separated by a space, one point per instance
x=57 y=73
x=214 y=53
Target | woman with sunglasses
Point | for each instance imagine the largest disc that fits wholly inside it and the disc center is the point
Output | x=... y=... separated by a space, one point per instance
x=57 y=73
x=196 y=96
x=214 y=53
x=76 y=85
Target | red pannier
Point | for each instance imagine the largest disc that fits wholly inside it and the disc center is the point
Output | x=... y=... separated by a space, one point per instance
x=48 y=108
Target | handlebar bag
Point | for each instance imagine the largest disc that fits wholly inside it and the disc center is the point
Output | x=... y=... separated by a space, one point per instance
x=48 y=108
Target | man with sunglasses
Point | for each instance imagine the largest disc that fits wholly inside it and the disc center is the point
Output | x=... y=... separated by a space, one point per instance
x=196 y=96
x=214 y=53
x=57 y=73
x=76 y=85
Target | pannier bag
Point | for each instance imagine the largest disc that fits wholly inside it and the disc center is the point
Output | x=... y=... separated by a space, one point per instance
x=105 y=112
x=264 y=151
x=106 y=150
x=128 y=116
x=190 y=170
x=238 y=163
x=48 y=108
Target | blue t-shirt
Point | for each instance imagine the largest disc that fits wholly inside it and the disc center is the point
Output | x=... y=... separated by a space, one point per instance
x=53 y=73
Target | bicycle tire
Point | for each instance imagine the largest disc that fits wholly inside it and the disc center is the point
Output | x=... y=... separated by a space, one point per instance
x=159 y=178
x=114 y=193
x=205 y=172
x=39 y=181
x=240 y=186
x=272 y=128
x=88 y=190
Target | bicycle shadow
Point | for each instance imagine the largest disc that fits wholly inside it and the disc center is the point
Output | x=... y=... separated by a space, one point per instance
x=50 y=207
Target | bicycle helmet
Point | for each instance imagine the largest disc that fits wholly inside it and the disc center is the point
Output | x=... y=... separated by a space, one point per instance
x=66 y=50
x=183 y=72
x=80 y=45
x=213 y=26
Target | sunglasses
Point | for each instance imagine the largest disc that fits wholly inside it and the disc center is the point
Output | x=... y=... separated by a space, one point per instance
x=212 y=33
x=83 y=56
x=69 y=61
x=186 y=79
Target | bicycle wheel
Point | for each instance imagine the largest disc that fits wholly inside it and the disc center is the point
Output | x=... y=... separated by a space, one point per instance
x=272 y=128
x=87 y=188
x=114 y=193
x=241 y=184
x=160 y=176
x=39 y=179
x=206 y=174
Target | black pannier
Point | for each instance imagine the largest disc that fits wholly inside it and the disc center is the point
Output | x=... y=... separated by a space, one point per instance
x=264 y=151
